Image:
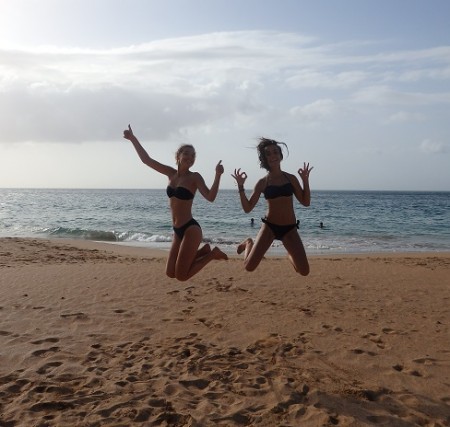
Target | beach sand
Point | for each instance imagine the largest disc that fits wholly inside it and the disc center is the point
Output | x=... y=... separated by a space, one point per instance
x=96 y=335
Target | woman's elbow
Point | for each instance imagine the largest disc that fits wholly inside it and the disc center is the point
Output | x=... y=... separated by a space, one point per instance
x=304 y=201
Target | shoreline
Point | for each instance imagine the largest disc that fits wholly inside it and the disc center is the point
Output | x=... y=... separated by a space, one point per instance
x=273 y=252
x=96 y=334
x=163 y=247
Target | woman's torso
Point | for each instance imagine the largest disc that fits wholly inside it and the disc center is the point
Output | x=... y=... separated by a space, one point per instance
x=181 y=191
x=279 y=191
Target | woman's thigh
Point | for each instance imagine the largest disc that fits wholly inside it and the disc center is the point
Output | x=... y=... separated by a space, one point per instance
x=188 y=248
x=173 y=255
x=262 y=243
x=294 y=245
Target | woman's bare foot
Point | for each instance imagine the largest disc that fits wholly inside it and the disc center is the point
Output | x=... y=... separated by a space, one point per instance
x=218 y=254
x=243 y=245
x=205 y=250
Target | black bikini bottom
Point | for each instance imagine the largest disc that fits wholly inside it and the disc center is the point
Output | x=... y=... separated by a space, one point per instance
x=179 y=231
x=280 y=230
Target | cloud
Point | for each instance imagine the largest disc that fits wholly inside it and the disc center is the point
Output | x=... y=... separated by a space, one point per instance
x=385 y=95
x=169 y=86
x=404 y=117
x=433 y=147
x=316 y=79
x=316 y=111
x=441 y=73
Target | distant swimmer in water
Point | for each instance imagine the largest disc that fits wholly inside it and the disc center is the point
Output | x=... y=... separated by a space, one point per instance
x=185 y=258
x=280 y=222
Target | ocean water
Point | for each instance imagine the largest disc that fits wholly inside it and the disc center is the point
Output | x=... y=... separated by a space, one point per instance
x=354 y=221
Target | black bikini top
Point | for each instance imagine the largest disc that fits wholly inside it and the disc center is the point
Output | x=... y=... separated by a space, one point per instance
x=274 y=191
x=179 y=193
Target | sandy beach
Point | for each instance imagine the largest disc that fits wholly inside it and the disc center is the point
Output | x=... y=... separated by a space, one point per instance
x=94 y=334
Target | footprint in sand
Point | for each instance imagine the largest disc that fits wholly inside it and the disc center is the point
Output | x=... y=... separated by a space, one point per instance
x=79 y=315
x=53 y=340
x=375 y=395
x=400 y=368
x=428 y=361
x=44 y=352
x=361 y=351
x=376 y=339
x=390 y=331
x=414 y=373
x=18 y=385
x=47 y=367
x=223 y=288
x=188 y=310
x=197 y=383
x=210 y=324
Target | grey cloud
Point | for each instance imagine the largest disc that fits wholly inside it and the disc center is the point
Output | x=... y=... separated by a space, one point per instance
x=80 y=114
x=433 y=147
x=317 y=111
x=385 y=95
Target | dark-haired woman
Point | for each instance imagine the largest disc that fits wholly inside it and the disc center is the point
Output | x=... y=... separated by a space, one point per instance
x=185 y=258
x=279 y=189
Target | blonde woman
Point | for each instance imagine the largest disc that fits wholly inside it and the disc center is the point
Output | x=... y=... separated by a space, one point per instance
x=186 y=258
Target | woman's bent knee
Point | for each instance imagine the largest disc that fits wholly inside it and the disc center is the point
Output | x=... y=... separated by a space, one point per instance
x=250 y=266
x=304 y=271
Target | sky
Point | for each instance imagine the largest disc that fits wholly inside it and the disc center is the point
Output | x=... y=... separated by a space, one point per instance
x=360 y=89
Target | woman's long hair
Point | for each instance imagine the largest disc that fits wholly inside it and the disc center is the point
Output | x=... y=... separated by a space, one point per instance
x=266 y=142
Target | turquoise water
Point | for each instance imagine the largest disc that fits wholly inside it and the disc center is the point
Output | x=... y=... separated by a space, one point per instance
x=354 y=221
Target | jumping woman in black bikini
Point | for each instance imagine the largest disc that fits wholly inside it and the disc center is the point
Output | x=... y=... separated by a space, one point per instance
x=185 y=257
x=280 y=223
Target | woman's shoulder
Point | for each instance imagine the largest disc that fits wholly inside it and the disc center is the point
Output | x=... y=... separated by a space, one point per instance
x=196 y=175
x=261 y=183
x=290 y=176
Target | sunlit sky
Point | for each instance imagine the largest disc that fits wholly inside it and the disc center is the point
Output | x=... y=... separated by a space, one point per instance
x=358 y=88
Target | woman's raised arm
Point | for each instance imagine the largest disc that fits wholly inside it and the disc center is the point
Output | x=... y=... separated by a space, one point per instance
x=143 y=155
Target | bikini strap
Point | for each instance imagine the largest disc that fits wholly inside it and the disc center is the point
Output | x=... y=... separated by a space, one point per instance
x=287 y=177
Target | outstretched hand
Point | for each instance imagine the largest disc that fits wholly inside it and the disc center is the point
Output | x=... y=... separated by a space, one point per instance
x=128 y=133
x=219 y=168
x=305 y=171
x=239 y=176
